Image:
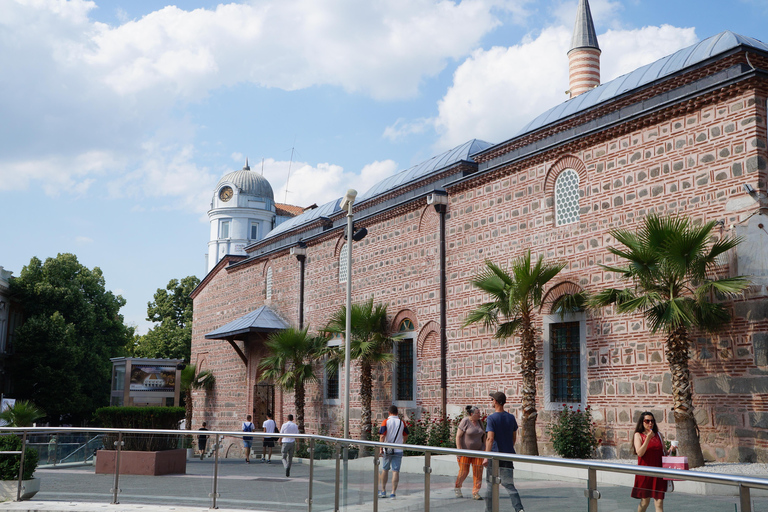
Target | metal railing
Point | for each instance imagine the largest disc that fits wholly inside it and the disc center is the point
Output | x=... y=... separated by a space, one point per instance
x=341 y=446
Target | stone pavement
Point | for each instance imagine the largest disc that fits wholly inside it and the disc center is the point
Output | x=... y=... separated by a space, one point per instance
x=263 y=487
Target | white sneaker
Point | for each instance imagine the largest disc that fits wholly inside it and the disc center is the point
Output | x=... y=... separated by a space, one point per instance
x=457 y=492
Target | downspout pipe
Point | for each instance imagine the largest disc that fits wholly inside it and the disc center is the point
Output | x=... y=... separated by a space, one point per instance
x=300 y=251
x=439 y=199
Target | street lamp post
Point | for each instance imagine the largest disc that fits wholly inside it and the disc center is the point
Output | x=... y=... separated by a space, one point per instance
x=346 y=203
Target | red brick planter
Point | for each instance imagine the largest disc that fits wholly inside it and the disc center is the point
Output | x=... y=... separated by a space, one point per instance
x=143 y=463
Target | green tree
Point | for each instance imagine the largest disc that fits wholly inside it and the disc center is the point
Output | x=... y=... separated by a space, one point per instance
x=672 y=276
x=190 y=380
x=515 y=296
x=22 y=414
x=371 y=345
x=290 y=364
x=72 y=328
x=172 y=310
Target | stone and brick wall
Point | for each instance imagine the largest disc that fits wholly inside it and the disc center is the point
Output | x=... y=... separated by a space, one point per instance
x=691 y=161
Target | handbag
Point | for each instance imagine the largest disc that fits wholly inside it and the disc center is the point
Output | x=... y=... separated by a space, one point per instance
x=670 y=486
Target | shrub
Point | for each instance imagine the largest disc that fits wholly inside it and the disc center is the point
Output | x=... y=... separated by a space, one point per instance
x=161 y=418
x=573 y=433
x=9 y=464
x=429 y=431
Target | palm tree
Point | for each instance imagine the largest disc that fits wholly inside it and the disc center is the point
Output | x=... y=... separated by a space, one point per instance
x=191 y=380
x=672 y=276
x=21 y=414
x=290 y=363
x=370 y=345
x=514 y=299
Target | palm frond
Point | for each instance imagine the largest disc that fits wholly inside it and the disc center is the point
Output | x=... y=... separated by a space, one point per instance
x=570 y=303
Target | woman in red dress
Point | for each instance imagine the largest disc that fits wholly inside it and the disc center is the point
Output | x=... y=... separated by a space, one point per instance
x=649 y=448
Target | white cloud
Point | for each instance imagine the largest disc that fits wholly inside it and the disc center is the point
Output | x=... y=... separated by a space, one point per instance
x=402 y=128
x=496 y=92
x=84 y=100
x=323 y=182
x=83 y=240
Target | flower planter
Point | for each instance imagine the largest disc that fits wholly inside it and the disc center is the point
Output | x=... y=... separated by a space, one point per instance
x=8 y=489
x=166 y=462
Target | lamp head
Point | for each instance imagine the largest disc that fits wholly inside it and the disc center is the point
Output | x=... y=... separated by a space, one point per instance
x=348 y=199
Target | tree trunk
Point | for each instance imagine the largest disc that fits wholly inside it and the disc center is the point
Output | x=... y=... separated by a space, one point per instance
x=366 y=394
x=528 y=445
x=686 y=430
x=298 y=402
x=188 y=408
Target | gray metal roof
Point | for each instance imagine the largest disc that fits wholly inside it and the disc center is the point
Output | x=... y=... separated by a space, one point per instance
x=259 y=320
x=584 y=35
x=418 y=171
x=663 y=67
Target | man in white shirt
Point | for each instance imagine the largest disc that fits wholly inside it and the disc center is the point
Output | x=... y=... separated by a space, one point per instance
x=392 y=430
x=269 y=427
x=288 y=443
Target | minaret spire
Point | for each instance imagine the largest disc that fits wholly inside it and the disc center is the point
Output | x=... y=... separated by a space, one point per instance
x=584 y=55
x=247 y=167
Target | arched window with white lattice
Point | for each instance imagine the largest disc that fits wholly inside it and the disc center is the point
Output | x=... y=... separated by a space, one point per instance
x=567 y=197
x=269 y=283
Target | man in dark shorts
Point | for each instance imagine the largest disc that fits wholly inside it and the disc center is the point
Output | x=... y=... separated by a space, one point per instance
x=270 y=427
x=502 y=434
x=202 y=441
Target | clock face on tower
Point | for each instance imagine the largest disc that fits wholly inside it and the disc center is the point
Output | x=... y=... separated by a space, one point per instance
x=225 y=194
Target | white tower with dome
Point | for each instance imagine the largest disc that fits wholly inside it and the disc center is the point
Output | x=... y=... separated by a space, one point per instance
x=242 y=212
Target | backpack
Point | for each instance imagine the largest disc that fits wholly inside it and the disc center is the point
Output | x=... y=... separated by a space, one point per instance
x=248 y=427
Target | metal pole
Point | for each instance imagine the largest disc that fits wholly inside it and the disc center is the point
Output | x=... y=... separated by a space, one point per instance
x=441 y=209
x=427 y=477
x=592 y=491
x=215 y=493
x=376 y=479
x=495 y=480
x=115 y=487
x=338 y=471
x=21 y=464
x=311 y=472
x=348 y=328
x=744 y=500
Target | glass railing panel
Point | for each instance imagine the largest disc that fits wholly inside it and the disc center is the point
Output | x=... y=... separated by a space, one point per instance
x=324 y=476
x=617 y=491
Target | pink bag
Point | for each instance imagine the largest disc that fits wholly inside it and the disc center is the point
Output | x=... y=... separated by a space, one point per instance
x=674 y=463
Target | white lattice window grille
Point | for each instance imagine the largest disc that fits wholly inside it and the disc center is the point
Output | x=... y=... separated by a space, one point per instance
x=269 y=283
x=343 y=268
x=567 y=197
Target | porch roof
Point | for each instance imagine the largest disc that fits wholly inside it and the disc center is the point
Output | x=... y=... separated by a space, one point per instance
x=259 y=320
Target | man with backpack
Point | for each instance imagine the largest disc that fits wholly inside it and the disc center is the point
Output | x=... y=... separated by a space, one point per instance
x=392 y=430
x=248 y=426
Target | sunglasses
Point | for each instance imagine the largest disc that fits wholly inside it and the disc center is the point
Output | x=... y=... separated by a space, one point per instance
x=649 y=421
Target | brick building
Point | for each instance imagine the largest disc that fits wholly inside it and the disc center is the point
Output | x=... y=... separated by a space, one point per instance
x=684 y=135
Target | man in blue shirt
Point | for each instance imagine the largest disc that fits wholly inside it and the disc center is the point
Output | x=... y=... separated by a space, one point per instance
x=502 y=434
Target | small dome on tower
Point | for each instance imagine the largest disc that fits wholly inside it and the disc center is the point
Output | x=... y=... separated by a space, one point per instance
x=249 y=183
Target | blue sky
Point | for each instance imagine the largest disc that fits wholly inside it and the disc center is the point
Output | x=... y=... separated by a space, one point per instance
x=119 y=117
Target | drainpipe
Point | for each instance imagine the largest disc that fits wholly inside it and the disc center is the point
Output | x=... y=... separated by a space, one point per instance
x=300 y=252
x=439 y=198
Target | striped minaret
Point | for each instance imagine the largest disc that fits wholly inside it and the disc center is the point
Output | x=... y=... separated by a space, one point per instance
x=584 y=55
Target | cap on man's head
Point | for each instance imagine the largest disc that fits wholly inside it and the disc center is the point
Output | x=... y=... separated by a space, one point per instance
x=500 y=397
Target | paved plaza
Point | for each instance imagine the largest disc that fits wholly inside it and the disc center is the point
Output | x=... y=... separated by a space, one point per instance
x=258 y=486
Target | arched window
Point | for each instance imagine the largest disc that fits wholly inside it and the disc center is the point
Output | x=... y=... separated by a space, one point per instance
x=269 y=283
x=405 y=365
x=343 y=270
x=567 y=197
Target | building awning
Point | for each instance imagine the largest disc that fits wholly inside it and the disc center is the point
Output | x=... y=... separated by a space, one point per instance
x=259 y=320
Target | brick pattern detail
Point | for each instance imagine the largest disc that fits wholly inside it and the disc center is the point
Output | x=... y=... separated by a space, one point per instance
x=583 y=70
x=691 y=159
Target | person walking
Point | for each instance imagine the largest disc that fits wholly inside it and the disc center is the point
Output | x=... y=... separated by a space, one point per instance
x=649 y=447
x=501 y=434
x=202 y=441
x=248 y=426
x=392 y=430
x=269 y=427
x=288 y=447
x=470 y=435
